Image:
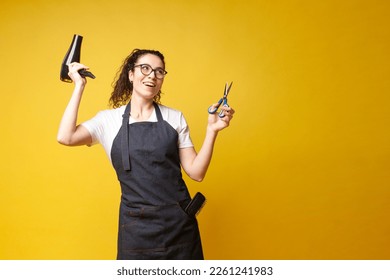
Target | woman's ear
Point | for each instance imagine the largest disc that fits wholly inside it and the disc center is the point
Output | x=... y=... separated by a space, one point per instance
x=131 y=76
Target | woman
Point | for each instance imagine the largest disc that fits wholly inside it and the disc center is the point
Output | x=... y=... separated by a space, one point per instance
x=147 y=143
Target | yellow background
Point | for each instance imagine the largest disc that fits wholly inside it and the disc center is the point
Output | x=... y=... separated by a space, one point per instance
x=301 y=173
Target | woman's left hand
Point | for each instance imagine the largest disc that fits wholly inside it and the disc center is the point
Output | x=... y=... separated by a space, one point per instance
x=217 y=123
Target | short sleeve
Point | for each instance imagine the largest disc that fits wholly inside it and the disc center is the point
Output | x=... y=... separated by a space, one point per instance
x=104 y=126
x=184 y=134
x=95 y=127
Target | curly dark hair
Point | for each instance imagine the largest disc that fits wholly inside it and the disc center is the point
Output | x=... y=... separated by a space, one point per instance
x=123 y=89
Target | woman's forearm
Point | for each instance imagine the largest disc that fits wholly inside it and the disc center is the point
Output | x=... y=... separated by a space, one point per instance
x=203 y=158
x=196 y=164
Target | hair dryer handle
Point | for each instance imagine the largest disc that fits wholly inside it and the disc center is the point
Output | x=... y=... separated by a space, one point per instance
x=85 y=73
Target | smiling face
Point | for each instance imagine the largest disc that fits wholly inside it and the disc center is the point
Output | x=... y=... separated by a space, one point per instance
x=146 y=86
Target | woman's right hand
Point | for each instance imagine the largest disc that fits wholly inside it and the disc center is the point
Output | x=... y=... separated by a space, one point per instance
x=73 y=73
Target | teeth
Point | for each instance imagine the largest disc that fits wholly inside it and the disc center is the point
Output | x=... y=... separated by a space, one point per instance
x=149 y=84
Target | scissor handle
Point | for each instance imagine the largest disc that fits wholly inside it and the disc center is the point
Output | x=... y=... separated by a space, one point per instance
x=212 y=110
x=221 y=113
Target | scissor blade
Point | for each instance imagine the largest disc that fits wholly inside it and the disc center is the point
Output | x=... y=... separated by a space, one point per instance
x=227 y=89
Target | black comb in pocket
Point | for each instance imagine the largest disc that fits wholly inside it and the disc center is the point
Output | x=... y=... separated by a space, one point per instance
x=195 y=205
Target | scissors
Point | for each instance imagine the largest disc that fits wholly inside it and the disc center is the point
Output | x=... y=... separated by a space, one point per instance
x=222 y=101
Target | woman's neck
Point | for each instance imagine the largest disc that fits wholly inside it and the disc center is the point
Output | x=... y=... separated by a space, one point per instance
x=141 y=109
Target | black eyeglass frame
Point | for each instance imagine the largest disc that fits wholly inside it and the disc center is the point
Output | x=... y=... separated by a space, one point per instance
x=156 y=74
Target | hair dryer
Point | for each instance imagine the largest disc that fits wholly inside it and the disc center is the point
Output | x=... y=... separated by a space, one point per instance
x=73 y=55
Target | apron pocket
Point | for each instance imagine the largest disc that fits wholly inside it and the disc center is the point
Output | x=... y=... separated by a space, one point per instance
x=181 y=206
x=130 y=216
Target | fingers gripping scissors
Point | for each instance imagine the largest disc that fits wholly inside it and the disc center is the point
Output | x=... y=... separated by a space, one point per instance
x=222 y=101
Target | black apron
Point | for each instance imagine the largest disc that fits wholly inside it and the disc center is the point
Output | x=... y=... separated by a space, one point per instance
x=152 y=222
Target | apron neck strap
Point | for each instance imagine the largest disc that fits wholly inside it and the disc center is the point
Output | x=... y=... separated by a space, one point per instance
x=158 y=112
x=125 y=139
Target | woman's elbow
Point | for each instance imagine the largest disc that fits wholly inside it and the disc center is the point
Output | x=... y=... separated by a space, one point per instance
x=63 y=141
x=197 y=177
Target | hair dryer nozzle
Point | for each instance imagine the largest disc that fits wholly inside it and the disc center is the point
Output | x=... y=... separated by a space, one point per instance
x=73 y=55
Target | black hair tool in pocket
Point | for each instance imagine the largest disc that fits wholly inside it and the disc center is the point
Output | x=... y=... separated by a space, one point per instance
x=195 y=205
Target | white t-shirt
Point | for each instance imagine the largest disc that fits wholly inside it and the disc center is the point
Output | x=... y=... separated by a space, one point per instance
x=105 y=126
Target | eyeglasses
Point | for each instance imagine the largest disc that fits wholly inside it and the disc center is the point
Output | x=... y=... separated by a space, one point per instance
x=146 y=70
